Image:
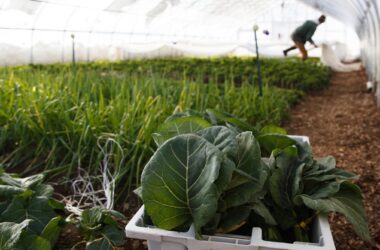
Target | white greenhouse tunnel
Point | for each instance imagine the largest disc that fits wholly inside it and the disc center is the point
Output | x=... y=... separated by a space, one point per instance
x=47 y=31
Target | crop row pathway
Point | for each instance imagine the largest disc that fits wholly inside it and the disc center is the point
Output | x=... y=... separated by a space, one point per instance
x=343 y=121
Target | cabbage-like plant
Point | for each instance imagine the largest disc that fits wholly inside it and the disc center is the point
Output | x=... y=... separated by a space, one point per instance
x=28 y=219
x=224 y=179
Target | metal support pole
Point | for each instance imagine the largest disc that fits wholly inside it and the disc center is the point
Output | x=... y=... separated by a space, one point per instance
x=255 y=28
x=72 y=36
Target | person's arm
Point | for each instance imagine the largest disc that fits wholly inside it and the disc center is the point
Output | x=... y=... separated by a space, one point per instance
x=312 y=42
x=309 y=37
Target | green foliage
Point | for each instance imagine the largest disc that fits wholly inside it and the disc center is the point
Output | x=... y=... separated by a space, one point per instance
x=216 y=179
x=177 y=126
x=27 y=220
x=99 y=227
x=10 y=234
x=347 y=200
x=178 y=182
x=52 y=118
x=190 y=174
x=284 y=73
x=301 y=187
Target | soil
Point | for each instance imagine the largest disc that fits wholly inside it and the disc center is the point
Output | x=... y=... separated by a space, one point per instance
x=343 y=121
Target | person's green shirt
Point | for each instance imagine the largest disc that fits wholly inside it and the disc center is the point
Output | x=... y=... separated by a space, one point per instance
x=304 y=32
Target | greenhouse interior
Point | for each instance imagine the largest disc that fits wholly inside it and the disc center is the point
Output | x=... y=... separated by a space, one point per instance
x=183 y=124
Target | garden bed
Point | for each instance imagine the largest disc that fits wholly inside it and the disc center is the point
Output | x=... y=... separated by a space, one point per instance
x=56 y=118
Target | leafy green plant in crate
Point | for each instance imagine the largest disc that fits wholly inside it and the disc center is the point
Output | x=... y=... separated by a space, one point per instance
x=215 y=178
x=28 y=218
x=301 y=187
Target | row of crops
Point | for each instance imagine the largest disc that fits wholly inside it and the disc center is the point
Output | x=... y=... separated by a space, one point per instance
x=58 y=118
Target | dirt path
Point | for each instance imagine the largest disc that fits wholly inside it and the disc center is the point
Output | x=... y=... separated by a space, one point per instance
x=343 y=121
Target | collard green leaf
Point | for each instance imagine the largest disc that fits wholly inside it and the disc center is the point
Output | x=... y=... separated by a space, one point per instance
x=322 y=189
x=328 y=174
x=270 y=129
x=178 y=126
x=175 y=116
x=36 y=208
x=260 y=209
x=250 y=174
x=7 y=190
x=222 y=137
x=35 y=242
x=188 y=112
x=108 y=220
x=226 y=171
x=27 y=182
x=239 y=177
x=178 y=183
x=348 y=201
x=28 y=193
x=245 y=193
x=10 y=233
x=225 y=140
x=92 y=217
x=270 y=142
x=52 y=230
x=99 y=244
x=249 y=166
x=110 y=236
x=211 y=226
x=56 y=205
x=248 y=155
x=3 y=206
x=223 y=118
x=116 y=214
x=233 y=219
x=304 y=151
x=43 y=190
x=285 y=180
x=240 y=195
x=328 y=161
x=113 y=234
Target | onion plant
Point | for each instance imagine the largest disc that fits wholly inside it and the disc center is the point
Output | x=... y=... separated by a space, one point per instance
x=51 y=117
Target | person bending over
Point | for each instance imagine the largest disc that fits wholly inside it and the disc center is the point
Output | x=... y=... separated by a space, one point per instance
x=303 y=34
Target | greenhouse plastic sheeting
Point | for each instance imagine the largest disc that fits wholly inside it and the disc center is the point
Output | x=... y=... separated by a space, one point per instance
x=334 y=58
x=364 y=16
x=47 y=31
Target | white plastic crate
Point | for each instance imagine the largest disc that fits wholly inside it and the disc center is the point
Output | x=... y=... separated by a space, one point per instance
x=159 y=239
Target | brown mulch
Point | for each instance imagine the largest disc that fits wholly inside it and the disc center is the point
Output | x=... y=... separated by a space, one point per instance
x=343 y=121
